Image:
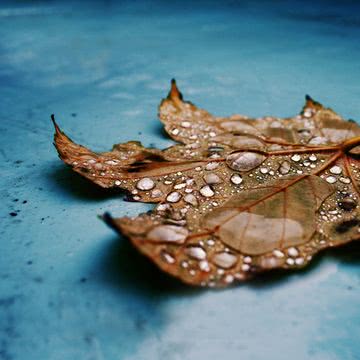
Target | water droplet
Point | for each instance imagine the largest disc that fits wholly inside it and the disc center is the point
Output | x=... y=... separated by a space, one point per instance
x=293 y=252
x=163 y=207
x=212 y=178
x=296 y=158
x=111 y=162
x=175 y=132
x=211 y=166
x=236 y=179
x=173 y=197
x=215 y=149
x=336 y=170
x=179 y=186
x=184 y=264
x=347 y=204
x=196 y=252
x=145 y=184
x=206 y=191
x=204 y=266
x=331 y=179
x=167 y=257
x=290 y=261
x=185 y=124
x=307 y=113
x=270 y=262
x=117 y=182
x=244 y=160
x=210 y=242
x=191 y=199
x=264 y=170
x=345 y=180
x=284 y=167
x=245 y=267
x=225 y=260
x=168 y=233
x=247 y=259
x=156 y=193
x=229 y=278
x=278 y=253
x=318 y=140
x=312 y=157
x=299 y=261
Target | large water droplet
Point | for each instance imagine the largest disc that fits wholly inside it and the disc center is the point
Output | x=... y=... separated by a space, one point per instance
x=173 y=197
x=196 y=252
x=296 y=158
x=225 y=260
x=331 y=179
x=168 y=233
x=145 y=184
x=206 y=191
x=244 y=160
x=336 y=170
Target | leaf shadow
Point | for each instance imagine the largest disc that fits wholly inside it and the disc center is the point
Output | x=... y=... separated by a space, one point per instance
x=124 y=267
x=75 y=185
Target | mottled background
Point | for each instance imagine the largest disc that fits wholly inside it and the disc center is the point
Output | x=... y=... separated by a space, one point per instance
x=72 y=289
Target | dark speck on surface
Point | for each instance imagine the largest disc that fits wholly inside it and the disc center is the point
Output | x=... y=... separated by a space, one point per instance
x=39 y=279
x=13 y=214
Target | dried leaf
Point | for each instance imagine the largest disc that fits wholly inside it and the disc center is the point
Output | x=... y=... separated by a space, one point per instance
x=236 y=196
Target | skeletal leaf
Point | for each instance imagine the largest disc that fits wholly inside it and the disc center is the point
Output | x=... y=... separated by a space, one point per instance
x=236 y=196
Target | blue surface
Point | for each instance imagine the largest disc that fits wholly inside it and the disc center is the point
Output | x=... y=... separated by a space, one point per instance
x=70 y=288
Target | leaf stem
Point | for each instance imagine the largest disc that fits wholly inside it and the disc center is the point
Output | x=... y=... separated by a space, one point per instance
x=350 y=143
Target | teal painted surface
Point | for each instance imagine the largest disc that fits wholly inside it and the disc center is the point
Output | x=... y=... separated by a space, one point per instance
x=70 y=288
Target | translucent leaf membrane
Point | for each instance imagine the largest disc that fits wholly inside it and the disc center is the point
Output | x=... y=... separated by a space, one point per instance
x=236 y=196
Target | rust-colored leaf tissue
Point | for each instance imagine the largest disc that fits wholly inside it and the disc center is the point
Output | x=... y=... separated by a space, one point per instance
x=236 y=196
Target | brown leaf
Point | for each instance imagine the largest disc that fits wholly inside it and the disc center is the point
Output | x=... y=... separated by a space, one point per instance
x=236 y=196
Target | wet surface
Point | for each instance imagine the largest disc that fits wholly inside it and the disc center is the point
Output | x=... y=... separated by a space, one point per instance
x=70 y=288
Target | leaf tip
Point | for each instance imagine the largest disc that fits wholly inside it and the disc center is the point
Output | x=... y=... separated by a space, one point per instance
x=108 y=220
x=57 y=129
x=174 y=93
x=311 y=103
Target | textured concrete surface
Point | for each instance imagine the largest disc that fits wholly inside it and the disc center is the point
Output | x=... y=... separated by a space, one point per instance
x=70 y=288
